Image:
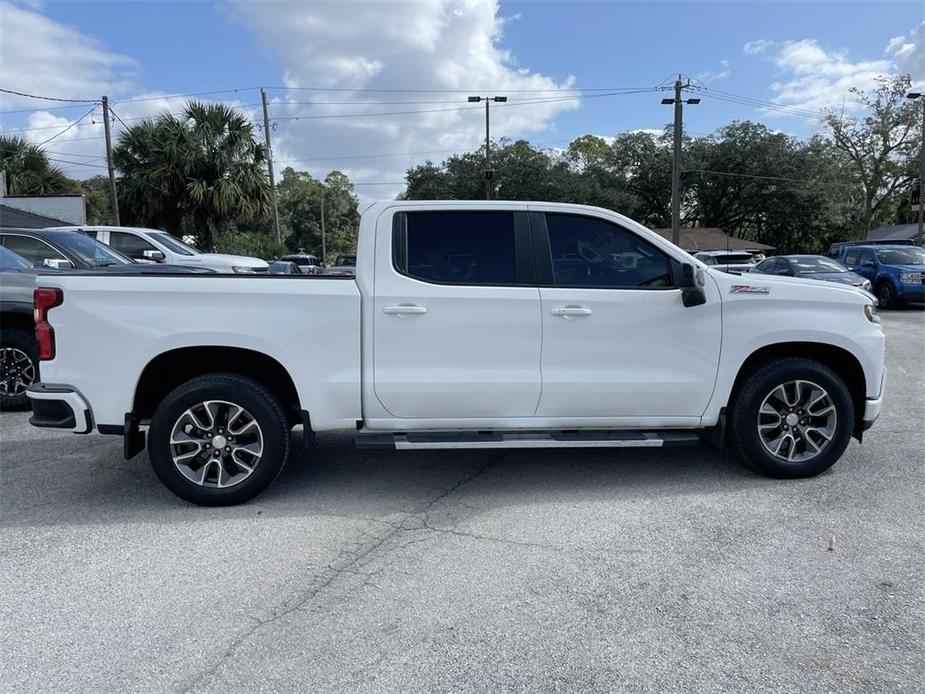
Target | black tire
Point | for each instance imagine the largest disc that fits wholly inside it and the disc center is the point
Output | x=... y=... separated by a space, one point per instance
x=14 y=343
x=885 y=296
x=258 y=403
x=744 y=438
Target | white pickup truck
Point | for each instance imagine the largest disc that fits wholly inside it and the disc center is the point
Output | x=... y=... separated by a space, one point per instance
x=467 y=325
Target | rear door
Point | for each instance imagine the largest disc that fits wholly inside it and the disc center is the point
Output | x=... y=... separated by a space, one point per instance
x=457 y=328
x=617 y=340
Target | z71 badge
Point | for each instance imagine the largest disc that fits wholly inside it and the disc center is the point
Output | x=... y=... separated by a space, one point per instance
x=748 y=289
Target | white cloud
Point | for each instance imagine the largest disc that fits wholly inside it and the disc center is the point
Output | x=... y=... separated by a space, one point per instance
x=41 y=55
x=909 y=52
x=444 y=49
x=814 y=78
x=757 y=47
x=708 y=76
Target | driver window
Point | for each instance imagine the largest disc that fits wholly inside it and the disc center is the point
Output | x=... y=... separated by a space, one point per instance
x=591 y=252
x=130 y=245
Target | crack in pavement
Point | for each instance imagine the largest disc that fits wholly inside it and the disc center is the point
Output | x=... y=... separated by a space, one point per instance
x=346 y=563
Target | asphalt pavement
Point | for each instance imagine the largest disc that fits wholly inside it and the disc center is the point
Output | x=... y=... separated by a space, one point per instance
x=517 y=571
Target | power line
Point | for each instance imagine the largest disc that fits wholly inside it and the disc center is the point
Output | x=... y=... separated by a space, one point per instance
x=50 y=98
x=43 y=109
x=453 y=91
x=185 y=96
x=72 y=125
x=769 y=178
x=523 y=102
x=403 y=154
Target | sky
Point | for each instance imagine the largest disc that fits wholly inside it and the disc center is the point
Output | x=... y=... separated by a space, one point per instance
x=372 y=88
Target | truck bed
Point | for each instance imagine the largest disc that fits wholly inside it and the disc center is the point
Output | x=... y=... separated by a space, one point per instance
x=111 y=327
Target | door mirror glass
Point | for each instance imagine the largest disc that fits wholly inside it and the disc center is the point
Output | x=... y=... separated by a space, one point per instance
x=156 y=256
x=692 y=293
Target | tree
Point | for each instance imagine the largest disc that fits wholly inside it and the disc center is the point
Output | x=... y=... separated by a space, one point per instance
x=880 y=146
x=197 y=173
x=28 y=170
x=300 y=198
x=96 y=199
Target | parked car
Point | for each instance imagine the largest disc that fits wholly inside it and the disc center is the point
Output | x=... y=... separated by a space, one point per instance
x=462 y=330
x=836 y=249
x=813 y=267
x=896 y=271
x=727 y=261
x=284 y=267
x=343 y=265
x=19 y=364
x=60 y=249
x=155 y=246
x=309 y=264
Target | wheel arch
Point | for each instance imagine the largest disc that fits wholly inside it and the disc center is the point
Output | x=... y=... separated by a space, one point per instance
x=171 y=369
x=841 y=361
x=16 y=319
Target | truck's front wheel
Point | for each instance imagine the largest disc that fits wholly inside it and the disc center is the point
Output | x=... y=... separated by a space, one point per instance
x=218 y=440
x=791 y=418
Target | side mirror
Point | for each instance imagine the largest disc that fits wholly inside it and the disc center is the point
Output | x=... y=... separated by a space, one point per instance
x=58 y=263
x=691 y=284
x=156 y=256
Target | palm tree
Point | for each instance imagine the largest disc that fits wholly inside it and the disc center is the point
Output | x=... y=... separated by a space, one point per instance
x=196 y=172
x=28 y=170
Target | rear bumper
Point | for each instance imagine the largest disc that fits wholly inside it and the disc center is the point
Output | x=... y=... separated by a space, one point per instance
x=56 y=406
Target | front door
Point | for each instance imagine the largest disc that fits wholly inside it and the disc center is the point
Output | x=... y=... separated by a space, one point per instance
x=457 y=316
x=617 y=341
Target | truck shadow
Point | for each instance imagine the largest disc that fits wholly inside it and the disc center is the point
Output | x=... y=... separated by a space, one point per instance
x=95 y=486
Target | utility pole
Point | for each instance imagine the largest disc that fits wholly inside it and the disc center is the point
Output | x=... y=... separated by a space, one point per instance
x=488 y=171
x=920 y=236
x=678 y=103
x=323 y=241
x=113 y=197
x=266 y=135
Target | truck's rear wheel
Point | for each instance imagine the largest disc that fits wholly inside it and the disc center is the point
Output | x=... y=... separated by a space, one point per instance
x=791 y=418
x=19 y=367
x=218 y=440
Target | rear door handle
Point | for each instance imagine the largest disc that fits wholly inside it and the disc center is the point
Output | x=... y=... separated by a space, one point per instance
x=570 y=311
x=404 y=310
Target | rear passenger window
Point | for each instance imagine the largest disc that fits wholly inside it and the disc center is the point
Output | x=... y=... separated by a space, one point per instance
x=457 y=247
x=851 y=257
x=591 y=252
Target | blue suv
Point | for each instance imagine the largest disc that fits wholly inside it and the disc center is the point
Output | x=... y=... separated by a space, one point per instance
x=897 y=272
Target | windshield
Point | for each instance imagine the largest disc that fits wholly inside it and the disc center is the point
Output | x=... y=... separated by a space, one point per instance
x=346 y=260
x=902 y=256
x=12 y=261
x=810 y=266
x=173 y=243
x=88 y=250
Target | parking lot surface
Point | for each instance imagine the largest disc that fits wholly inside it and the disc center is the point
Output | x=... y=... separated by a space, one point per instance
x=593 y=570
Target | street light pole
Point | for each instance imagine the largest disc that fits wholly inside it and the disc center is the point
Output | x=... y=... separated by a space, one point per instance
x=678 y=103
x=920 y=236
x=488 y=171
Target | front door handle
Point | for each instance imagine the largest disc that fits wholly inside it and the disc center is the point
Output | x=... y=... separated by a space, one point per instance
x=404 y=310
x=570 y=311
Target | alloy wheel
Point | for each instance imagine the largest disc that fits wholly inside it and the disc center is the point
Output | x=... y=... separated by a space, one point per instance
x=216 y=443
x=17 y=371
x=796 y=421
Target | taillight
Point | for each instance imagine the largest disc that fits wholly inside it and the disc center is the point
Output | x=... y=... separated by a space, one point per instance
x=45 y=298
